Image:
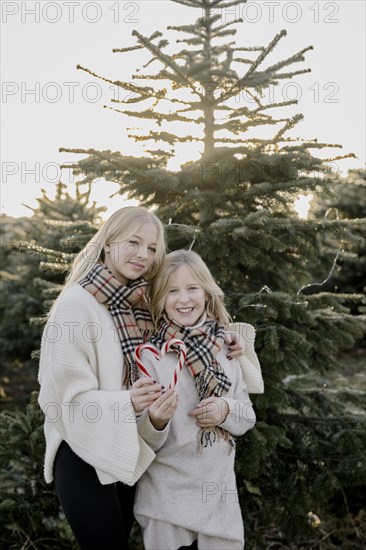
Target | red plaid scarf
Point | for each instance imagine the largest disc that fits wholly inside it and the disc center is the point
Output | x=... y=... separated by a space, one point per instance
x=128 y=308
x=203 y=344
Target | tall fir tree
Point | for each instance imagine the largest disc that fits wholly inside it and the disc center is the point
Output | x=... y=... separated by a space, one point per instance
x=235 y=205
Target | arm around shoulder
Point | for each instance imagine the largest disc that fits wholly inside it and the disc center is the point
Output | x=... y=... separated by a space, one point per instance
x=249 y=361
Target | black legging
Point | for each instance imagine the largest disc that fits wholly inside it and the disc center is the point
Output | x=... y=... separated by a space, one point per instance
x=100 y=516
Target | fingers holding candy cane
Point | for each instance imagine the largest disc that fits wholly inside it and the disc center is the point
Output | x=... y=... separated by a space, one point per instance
x=174 y=344
x=144 y=392
x=163 y=408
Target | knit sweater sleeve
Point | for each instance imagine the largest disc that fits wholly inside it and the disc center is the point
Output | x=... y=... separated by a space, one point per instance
x=241 y=416
x=98 y=424
x=249 y=362
x=153 y=437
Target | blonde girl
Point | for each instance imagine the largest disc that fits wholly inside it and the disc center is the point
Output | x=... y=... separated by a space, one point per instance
x=94 y=452
x=187 y=498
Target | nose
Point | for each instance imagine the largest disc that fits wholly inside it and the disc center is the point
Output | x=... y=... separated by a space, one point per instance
x=183 y=297
x=141 y=252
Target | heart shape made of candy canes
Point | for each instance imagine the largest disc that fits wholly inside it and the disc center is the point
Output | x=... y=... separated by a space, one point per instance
x=174 y=344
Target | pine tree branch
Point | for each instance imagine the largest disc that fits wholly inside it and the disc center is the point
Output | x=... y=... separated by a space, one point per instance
x=264 y=54
x=227 y=4
x=165 y=136
x=242 y=60
x=328 y=420
x=293 y=59
x=149 y=114
x=264 y=76
x=245 y=111
x=268 y=188
x=343 y=297
x=308 y=144
x=156 y=34
x=63 y=257
x=146 y=92
x=280 y=76
x=223 y=34
x=69 y=224
x=236 y=126
x=189 y=3
x=189 y=29
x=250 y=49
x=166 y=155
x=207 y=4
x=217 y=30
x=130 y=100
x=55 y=267
x=112 y=165
x=165 y=59
x=191 y=41
x=340 y=157
x=289 y=124
x=129 y=49
x=164 y=75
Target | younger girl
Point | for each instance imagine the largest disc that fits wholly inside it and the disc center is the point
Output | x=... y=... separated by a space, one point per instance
x=188 y=496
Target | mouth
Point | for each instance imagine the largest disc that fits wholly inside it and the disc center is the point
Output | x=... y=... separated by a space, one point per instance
x=185 y=310
x=137 y=265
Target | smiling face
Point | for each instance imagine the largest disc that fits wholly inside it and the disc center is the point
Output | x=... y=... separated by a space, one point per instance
x=185 y=300
x=130 y=259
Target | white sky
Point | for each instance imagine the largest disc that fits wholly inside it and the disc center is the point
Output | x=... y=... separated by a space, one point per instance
x=64 y=109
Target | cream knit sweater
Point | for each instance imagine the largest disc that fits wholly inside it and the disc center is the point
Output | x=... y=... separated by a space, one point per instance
x=82 y=395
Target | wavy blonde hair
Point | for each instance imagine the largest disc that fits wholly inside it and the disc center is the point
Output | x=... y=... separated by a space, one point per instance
x=121 y=225
x=215 y=307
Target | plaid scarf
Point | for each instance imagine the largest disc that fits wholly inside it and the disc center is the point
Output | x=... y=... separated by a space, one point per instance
x=203 y=344
x=128 y=308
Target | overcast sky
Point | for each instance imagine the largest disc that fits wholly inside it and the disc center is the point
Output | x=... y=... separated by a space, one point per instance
x=47 y=103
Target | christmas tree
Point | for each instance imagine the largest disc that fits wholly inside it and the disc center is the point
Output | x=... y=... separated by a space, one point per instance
x=235 y=207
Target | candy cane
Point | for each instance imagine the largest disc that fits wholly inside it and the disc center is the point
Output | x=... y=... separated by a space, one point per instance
x=179 y=346
x=174 y=344
x=137 y=356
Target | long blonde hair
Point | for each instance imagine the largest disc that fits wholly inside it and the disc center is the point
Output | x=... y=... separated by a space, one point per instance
x=215 y=307
x=122 y=224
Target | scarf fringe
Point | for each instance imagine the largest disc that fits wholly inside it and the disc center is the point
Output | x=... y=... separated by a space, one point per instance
x=207 y=437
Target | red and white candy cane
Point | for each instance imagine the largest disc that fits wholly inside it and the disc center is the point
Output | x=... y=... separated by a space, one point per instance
x=174 y=344
x=137 y=356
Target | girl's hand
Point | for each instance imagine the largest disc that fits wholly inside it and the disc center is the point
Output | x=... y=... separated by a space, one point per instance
x=144 y=392
x=236 y=344
x=162 y=410
x=210 y=412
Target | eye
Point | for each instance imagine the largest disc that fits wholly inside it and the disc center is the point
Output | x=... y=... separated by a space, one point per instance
x=152 y=249
x=193 y=288
x=132 y=241
x=172 y=290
